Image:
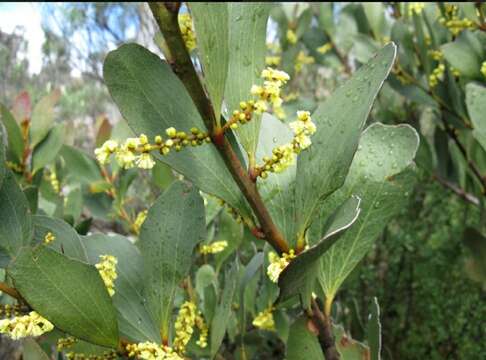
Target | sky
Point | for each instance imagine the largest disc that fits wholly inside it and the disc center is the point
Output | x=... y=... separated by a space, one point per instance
x=28 y=16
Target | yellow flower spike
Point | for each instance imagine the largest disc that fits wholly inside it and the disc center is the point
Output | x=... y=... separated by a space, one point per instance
x=187 y=31
x=301 y=60
x=273 y=60
x=203 y=331
x=278 y=264
x=103 y=153
x=415 y=8
x=139 y=220
x=483 y=68
x=214 y=247
x=184 y=326
x=291 y=36
x=23 y=326
x=145 y=161
x=324 y=48
x=151 y=351
x=264 y=320
x=107 y=269
x=63 y=343
x=436 y=55
x=49 y=238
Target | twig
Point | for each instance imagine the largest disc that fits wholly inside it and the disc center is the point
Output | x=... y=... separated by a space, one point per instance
x=326 y=337
x=11 y=291
x=166 y=16
x=457 y=190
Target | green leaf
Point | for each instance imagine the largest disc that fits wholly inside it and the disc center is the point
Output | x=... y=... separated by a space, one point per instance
x=32 y=195
x=22 y=107
x=300 y=274
x=302 y=343
x=464 y=54
x=81 y=167
x=3 y=138
x=381 y=176
x=47 y=150
x=74 y=204
x=67 y=239
x=69 y=293
x=43 y=117
x=15 y=139
x=32 y=351
x=476 y=262
x=323 y=167
x=16 y=224
x=374 y=331
x=476 y=107
x=277 y=190
x=231 y=231
x=375 y=14
x=247 y=49
x=212 y=34
x=174 y=225
x=152 y=99
x=223 y=311
x=134 y=320
x=162 y=175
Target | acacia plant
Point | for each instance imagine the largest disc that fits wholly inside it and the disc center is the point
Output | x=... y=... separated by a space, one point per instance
x=307 y=199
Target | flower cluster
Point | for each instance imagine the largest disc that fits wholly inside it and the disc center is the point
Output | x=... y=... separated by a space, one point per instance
x=283 y=156
x=273 y=60
x=7 y=310
x=324 y=48
x=14 y=166
x=436 y=55
x=278 y=264
x=136 y=151
x=50 y=237
x=107 y=355
x=64 y=343
x=453 y=22
x=139 y=220
x=301 y=60
x=213 y=248
x=54 y=182
x=270 y=92
x=291 y=36
x=107 y=269
x=483 y=68
x=264 y=320
x=152 y=351
x=28 y=325
x=184 y=325
x=187 y=31
x=437 y=75
x=415 y=8
x=203 y=331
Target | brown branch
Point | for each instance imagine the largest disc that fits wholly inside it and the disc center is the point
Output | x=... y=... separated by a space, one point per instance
x=457 y=190
x=166 y=16
x=326 y=337
x=11 y=291
x=451 y=132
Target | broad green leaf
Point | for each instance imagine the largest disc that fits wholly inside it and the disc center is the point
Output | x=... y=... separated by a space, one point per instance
x=32 y=351
x=134 y=320
x=326 y=18
x=73 y=206
x=152 y=99
x=476 y=262
x=465 y=54
x=300 y=274
x=223 y=311
x=277 y=190
x=81 y=167
x=247 y=50
x=302 y=343
x=381 y=175
x=32 y=195
x=69 y=293
x=43 y=117
x=16 y=224
x=174 y=226
x=323 y=167
x=212 y=36
x=47 y=150
x=374 y=331
x=15 y=139
x=162 y=175
x=375 y=14
x=231 y=231
x=476 y=107
x=67 y=240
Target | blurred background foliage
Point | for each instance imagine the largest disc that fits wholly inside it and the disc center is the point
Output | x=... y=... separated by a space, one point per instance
x=423 y=269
